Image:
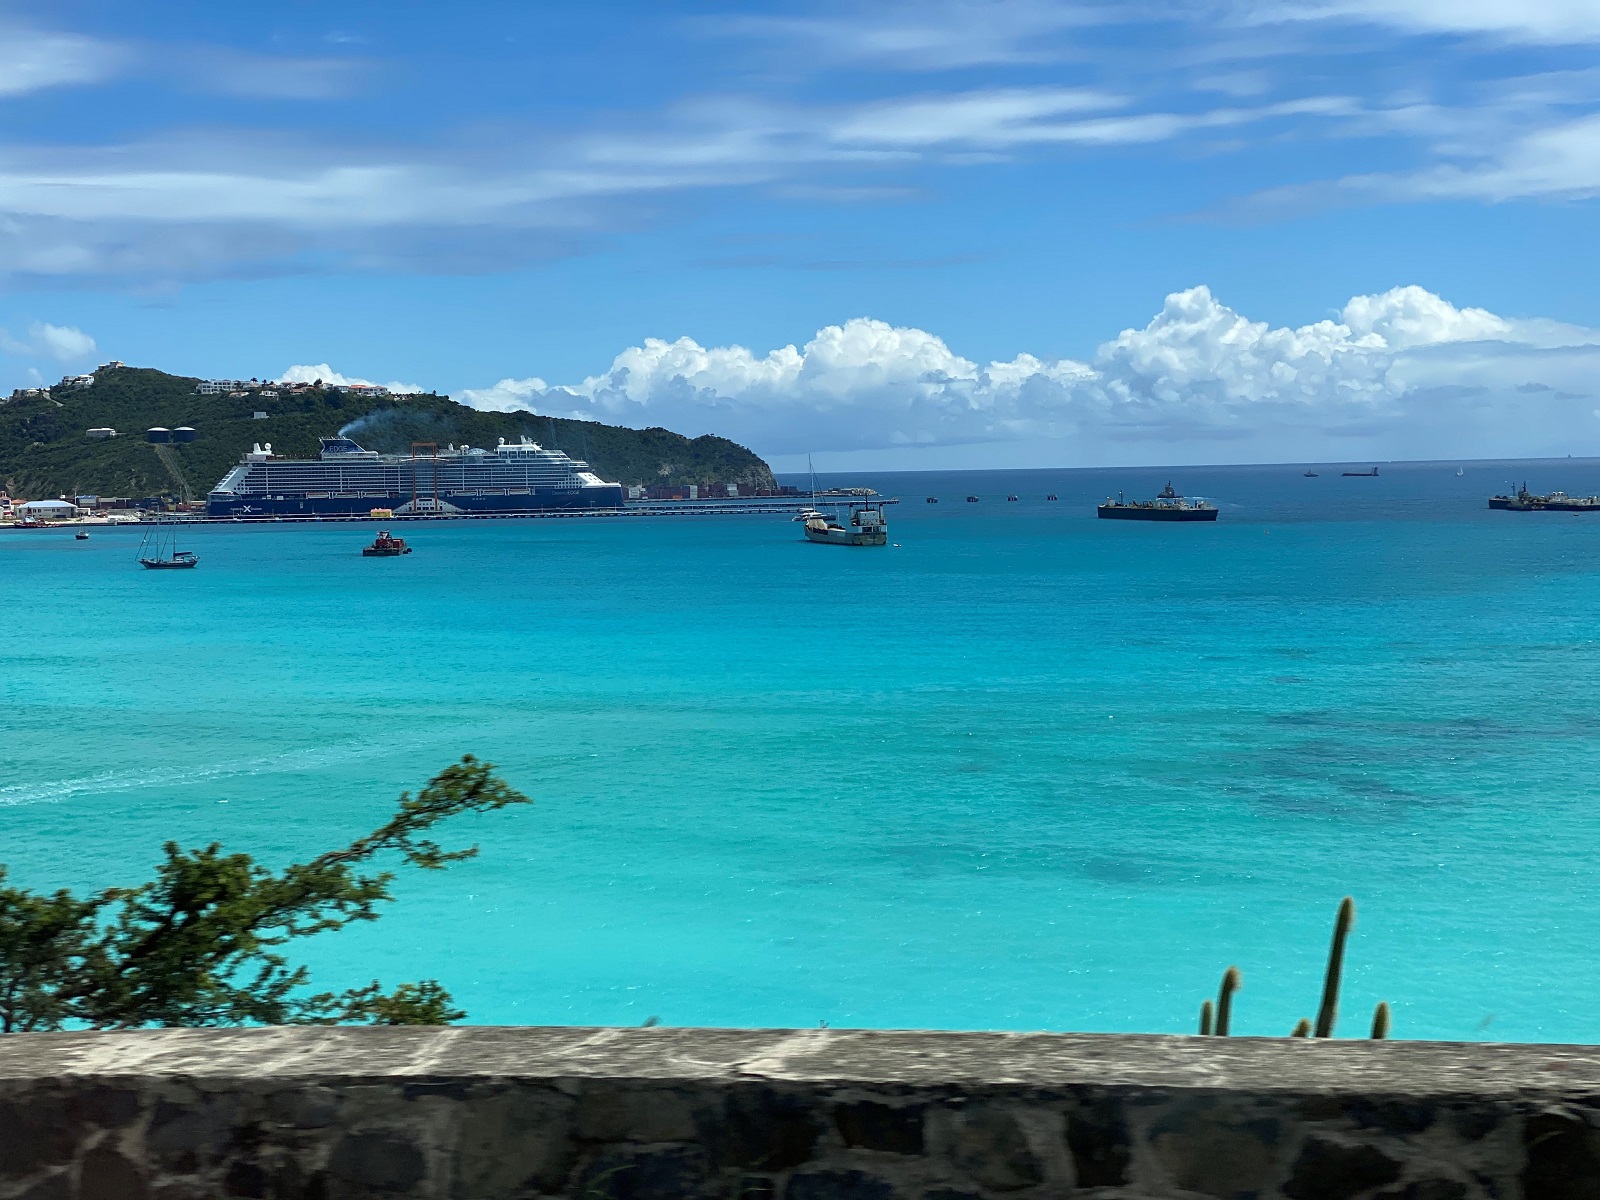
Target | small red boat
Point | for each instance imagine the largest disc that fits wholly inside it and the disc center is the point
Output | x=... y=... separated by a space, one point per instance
x=385 y=546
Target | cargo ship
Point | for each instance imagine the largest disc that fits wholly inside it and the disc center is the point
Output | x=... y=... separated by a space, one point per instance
x=867 y=527
x=347 y=480
x=1167 y=506
x=1522 y=500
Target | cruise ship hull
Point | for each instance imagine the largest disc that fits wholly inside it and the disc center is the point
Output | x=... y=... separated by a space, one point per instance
x=247 y=507
x=1117 y=512
x=346 y=480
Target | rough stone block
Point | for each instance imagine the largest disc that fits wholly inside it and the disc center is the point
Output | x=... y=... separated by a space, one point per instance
x=381 y=1161
x=648 y=1173
x=1425 y=1189
x=1228 y=1151
x=838 y=1185
x=629 y=1112
x=184 y=1135
x=890 y=1128
x=107 y=1175
x=1563 y=1155
x=759 y=1128
x=990 y=1145
x=308 y=1106
x=52 y=1187
x=514 y=1141
x=1334 y=1168
x=36 y=1131
x=1099 y=1141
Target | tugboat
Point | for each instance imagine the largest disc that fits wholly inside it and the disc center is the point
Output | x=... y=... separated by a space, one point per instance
x=1168 y=505
x=1311 y=474
x=384 y=546
x=867 y=526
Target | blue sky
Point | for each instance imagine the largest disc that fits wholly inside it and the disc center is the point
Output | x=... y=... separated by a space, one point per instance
x=1010 y=232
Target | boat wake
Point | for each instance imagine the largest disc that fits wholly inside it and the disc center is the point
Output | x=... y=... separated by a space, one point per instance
x=56 y=791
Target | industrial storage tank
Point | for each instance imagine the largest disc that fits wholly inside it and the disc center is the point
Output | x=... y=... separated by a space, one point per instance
x=183 y=434
x=158 y=433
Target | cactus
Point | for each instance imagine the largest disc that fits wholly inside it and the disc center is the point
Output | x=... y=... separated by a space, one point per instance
x=1329 y=1012
x=1205 y=1018
x=1303 y=1028
x=1380 y=1021
x=1231 y=981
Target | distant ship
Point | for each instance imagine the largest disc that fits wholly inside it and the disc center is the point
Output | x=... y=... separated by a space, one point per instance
x=158 y=550
x=1311 y=474
x=1360 y=474
x=867 y=526
x=1167 y=506
x=384 y=546
x=346 y=480
x=1525 y=501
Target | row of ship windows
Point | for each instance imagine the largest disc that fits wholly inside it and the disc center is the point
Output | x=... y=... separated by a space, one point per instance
x=263 y=480
x=371 y=495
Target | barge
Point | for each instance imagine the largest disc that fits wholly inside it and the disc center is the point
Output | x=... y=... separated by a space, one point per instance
x=1168 y=505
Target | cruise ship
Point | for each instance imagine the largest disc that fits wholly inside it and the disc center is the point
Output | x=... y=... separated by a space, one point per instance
x=348 y=480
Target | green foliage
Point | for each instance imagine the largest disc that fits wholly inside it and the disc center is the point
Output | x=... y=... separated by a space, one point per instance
x=1328 y=1012
x=1231 y=982
x=1302 y=1028
x=44 y=451
x=200 y=944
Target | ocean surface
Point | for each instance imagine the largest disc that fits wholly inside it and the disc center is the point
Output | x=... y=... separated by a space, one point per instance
x=1021 y=770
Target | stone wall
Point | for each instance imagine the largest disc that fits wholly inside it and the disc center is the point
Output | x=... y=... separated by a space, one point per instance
x=636 y=1114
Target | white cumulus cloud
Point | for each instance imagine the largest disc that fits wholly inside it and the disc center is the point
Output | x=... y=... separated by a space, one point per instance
x=302 y=373
x=1403 y=373
x=64 y=343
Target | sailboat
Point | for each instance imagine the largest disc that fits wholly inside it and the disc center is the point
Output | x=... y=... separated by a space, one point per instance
x=158 y=551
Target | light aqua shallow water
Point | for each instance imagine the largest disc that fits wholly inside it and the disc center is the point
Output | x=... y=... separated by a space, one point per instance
x=1027 y=770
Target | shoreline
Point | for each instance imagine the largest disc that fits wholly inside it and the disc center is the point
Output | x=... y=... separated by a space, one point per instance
x=664 y=508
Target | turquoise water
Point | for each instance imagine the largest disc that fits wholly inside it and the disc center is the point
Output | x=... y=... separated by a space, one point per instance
x=1027 y=770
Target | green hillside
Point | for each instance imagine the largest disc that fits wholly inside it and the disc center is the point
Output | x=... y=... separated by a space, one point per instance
x=44 y=451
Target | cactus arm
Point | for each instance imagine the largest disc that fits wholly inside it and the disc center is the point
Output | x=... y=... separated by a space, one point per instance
x=1205 y=1018
x=1231 y=981
x=1302 y=1028
x=1328 y=1013
x=1380 y=1021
